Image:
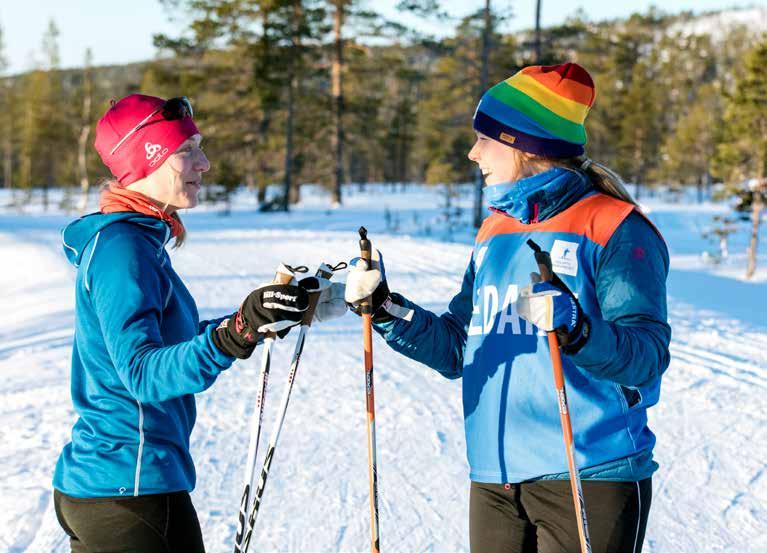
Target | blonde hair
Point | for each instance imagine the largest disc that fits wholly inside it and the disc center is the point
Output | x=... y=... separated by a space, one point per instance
x=603 y=178
x=181 y=236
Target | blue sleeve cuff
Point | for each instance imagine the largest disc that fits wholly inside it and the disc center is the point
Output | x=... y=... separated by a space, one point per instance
x=223 y=360
x=395 y=327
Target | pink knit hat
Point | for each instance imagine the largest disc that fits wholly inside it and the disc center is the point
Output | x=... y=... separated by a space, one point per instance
x=138 y=133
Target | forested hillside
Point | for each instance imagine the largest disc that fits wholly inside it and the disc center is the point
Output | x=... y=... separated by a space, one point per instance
x=294 y=91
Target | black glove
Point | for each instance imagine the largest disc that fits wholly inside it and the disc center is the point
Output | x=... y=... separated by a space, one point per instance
x=269 y=308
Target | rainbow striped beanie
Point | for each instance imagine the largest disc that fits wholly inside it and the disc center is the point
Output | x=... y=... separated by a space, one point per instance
x=540 y=110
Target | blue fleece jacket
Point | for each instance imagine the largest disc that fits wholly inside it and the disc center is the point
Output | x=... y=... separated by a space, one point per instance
x=616 y=263
x=139 y=354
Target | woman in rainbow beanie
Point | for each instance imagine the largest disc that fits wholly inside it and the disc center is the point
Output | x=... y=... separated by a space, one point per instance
x=608 y=308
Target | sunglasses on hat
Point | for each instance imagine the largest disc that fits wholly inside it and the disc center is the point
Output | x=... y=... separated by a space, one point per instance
x=172 y=110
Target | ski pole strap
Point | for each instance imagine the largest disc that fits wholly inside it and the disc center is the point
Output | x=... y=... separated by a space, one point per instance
x=326 y=271
x=396 y=310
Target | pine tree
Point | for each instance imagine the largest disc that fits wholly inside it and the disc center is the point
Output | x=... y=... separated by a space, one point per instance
x=742 y=154
x=641 y=123
x=246 y=72
x=336 y=71
x=6 y=118
x=449 y=95
x=46 y=141
x=611 y=52
x=688 y=150
x=85 y=131
x=483 y=84
x=302 y=27
x=347 y=18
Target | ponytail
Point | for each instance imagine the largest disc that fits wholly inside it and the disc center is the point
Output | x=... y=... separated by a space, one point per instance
x=603 y=178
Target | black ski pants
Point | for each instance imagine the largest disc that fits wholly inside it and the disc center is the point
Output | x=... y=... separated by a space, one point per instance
x=163 y=523
x=539 y=517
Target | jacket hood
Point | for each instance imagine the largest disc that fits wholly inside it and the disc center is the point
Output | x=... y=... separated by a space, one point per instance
x=77 y=234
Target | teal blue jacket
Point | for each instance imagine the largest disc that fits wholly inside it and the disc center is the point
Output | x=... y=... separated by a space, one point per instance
x=617 y=263
x=139 y=354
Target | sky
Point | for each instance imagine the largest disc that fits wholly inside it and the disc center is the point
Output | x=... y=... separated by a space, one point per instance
x=121 y=32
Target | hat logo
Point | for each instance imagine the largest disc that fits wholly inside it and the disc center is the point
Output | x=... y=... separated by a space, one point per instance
x=154 y=153
x=508 y=138
x=151 y=149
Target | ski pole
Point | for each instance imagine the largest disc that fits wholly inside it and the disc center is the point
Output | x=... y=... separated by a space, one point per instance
x=284 y=275
x=366 y=309
x=324 y=271
x=543 y=259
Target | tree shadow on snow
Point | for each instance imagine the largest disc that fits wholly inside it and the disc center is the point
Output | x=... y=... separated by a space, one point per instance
x=734 y=298
x=492 y=356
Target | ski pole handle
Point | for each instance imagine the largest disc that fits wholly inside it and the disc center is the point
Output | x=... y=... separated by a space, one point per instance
x=366 y=253
x=323 y=271
x=543 y=259
x=327 y=271
x=285 y=273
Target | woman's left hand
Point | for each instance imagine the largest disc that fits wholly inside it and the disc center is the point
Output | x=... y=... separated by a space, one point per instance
x=551 y=306
x=331 y=304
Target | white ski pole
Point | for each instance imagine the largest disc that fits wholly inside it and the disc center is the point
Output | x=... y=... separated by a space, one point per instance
x=326 y=272
x=285 y=275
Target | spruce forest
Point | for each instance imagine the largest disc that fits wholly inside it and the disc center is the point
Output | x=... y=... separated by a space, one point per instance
x=329 y=92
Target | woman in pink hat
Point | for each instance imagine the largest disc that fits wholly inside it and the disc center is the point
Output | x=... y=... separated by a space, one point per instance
x=140 y=351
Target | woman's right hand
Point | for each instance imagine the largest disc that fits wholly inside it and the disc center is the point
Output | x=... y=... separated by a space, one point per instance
x=367 y=280
x=270 y=308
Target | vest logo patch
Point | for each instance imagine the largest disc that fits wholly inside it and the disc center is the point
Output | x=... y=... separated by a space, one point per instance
x=563 y=257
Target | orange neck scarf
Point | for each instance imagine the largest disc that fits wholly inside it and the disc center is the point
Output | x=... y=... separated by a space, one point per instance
x=119 y=200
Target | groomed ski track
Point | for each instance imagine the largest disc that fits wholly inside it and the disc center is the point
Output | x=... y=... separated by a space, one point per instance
x=709 y=495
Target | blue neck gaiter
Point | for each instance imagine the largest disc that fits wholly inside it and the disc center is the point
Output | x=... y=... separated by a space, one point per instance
x=553 y=191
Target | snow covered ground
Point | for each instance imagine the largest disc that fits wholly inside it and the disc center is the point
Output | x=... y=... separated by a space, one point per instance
x=710 y=493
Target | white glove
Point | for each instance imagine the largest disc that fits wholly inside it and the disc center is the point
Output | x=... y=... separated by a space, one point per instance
x=331 y=304
x=537 y=308
x=551 y=306
x=362 y=280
